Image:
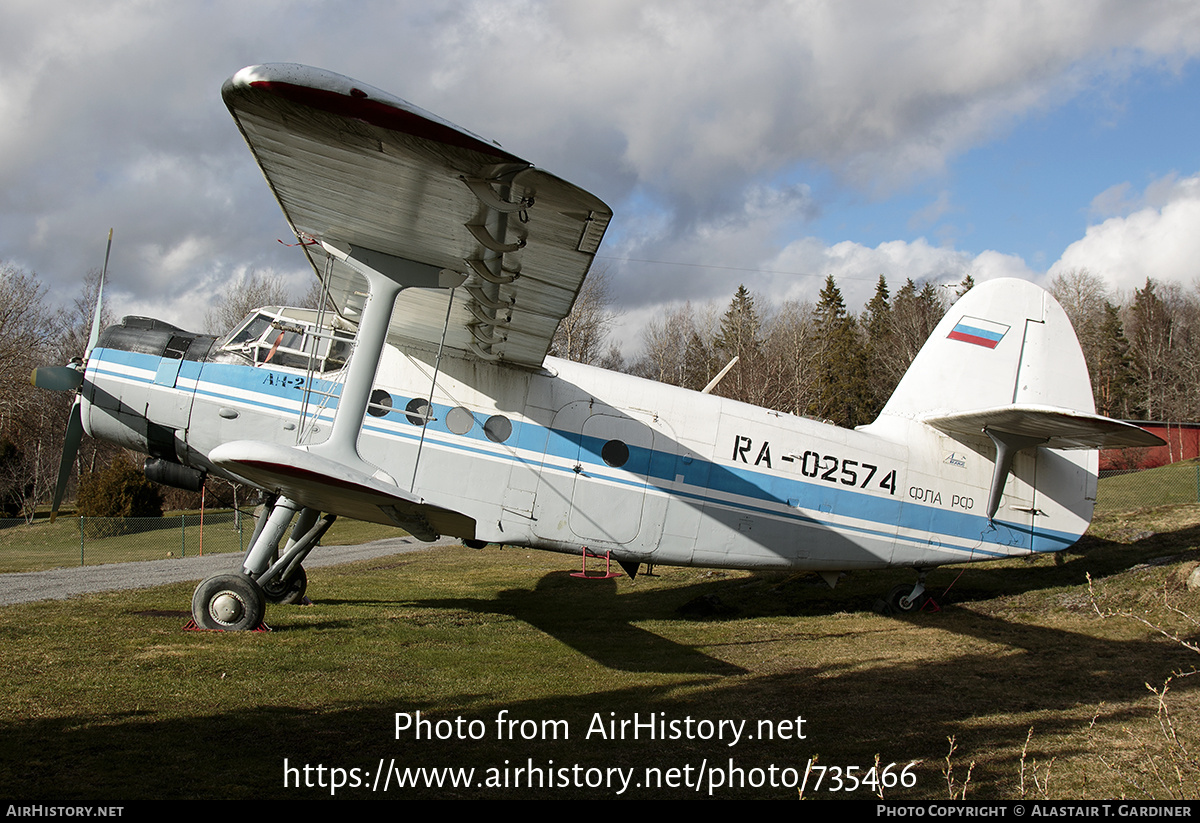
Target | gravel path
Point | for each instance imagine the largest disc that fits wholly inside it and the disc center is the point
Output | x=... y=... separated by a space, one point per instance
x=59 y=584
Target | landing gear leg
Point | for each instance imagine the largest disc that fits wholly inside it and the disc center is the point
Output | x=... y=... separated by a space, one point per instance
x=286 y=578
x=288 y=586
x=287 y=591
x=266 y=542
x=237 y=602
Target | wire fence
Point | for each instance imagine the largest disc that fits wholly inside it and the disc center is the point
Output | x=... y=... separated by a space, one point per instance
x=86 y=541
x=1172 y=485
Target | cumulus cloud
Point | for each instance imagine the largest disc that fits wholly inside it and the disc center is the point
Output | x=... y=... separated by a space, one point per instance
x=1155 y=237
x=697 y=122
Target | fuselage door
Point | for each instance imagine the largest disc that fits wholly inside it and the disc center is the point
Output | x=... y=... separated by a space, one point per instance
x=615 y=453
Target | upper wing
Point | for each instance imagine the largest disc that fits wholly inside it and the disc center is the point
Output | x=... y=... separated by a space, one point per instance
x=351 y=164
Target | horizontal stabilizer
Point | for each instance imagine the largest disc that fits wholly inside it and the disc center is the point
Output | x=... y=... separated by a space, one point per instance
x=1057 y=428
x=327 y=485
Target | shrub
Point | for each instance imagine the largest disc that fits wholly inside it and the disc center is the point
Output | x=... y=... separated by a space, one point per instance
x=121 y=490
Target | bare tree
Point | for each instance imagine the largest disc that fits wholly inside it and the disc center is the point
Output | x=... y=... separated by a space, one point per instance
x=665 y=346
x=251 y=292
x=1083 y=296
x=312 y=298
x=580 y=335
x=787 y=356
x=28 y=330
x=31 y=421
x=75 y=326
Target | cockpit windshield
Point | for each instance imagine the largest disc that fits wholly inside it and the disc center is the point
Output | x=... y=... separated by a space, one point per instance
x=290 y=338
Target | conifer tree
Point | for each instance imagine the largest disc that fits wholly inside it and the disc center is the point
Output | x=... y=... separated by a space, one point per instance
x=1150 y=336
x=740 y=327
x=968 y=283
x=1113 y=378
x=840 y=362
x=877 y=323
x=740 y=336
x=914 y=315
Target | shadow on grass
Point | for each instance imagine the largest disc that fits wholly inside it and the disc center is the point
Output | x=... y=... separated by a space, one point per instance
x=854 y=711
x=865 y=686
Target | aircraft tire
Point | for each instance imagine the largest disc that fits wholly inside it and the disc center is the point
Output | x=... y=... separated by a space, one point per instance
x=228 y=602
x=898 y=601
x=289 y=592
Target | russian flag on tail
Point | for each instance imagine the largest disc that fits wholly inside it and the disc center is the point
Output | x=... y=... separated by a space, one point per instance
x=978 y=331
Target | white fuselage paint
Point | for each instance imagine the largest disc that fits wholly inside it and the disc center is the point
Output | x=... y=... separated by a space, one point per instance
x=708 y=481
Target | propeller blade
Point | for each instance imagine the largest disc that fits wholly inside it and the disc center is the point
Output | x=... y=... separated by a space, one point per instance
x=57 y=378
x=95 y=335
x=70 y=448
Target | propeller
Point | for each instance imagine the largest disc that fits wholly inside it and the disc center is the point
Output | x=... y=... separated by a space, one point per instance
x=70 y=378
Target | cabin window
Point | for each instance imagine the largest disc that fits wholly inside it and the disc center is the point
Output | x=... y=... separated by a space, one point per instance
x=381 y=403
x=498 y=428
x=459 y=420
x=290 y=338
x=615 y=453
x=251 y=331
x=417 y=411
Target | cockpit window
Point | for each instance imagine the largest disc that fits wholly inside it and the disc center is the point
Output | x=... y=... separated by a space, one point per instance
x=290 y=338
x=252 y=330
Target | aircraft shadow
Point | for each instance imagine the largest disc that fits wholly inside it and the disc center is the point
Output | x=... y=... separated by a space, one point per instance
x=591 y=618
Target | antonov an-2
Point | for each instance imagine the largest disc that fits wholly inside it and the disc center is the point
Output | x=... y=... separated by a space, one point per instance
x=426 y=399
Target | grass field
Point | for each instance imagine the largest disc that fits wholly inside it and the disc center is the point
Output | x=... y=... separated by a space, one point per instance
x=108 y=699
x=1165 y=486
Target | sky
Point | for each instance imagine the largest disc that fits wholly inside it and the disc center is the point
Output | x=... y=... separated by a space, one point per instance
x=769 y=144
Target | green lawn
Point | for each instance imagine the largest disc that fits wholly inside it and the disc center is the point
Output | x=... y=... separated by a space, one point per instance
x=108 y=699
x=1164 y=486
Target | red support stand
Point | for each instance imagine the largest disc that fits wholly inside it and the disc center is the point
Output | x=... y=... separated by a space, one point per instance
x=191 y=626
x=608 y=572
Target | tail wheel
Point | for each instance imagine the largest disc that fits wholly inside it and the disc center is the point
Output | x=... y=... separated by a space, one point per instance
x=899 y=603
x=228 y=602
x=287 y=592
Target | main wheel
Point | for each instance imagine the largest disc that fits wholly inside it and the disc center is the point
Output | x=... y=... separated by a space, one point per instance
x=228 y=602
x=287 y=592
x=898 y=601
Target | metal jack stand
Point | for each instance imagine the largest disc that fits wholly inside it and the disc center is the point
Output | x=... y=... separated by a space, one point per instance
x=608 y=572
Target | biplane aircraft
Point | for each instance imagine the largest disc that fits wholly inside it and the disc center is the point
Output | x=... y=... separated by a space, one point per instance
x=424 y=398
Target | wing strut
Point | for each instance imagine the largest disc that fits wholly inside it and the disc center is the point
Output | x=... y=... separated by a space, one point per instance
x=437 y=366
x=386 y=276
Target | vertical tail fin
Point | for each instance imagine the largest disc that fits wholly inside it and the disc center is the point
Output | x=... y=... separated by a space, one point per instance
x=1005 y=342
x=1003 y=373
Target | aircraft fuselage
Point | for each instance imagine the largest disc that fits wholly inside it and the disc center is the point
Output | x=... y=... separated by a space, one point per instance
x=573 y=456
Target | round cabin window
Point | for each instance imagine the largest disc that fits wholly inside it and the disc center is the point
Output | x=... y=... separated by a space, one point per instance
x=615 y=453
x=417 y=411
x=459 y=420
x=380 y=405
x=498 y=428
